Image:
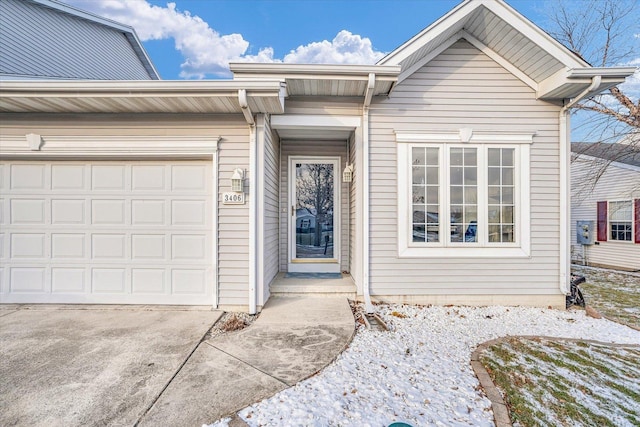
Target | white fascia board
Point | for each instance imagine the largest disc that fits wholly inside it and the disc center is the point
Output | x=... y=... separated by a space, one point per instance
x=620 y=73
x=74 y=146
x=302 y=121
x=324 y=71
x=76 y=88
x=414 y=44
x=473 y=137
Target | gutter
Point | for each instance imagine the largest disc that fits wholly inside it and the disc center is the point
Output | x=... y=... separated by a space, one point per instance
x=565 y=195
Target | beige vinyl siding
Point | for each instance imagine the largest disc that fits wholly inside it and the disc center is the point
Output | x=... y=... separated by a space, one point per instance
x=233 y=152
x=616 y=183
x=313 y=148
x=271 y=211
x=463 y=88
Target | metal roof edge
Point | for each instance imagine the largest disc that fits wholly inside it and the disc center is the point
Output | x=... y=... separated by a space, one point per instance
x=78 y=87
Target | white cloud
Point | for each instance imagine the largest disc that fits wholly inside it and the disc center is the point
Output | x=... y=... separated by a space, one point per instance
x=207 y=52
x=345 y=48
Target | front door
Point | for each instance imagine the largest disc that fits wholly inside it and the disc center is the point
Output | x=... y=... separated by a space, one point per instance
x=314 y=217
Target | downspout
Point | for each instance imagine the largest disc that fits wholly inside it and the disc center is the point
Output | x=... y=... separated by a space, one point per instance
x=366 y=291
x=253 y=199
x=565 y=185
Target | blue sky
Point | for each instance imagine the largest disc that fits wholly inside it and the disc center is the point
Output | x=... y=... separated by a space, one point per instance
x=177 y=34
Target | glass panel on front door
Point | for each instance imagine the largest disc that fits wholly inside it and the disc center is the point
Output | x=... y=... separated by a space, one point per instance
x=314 y=210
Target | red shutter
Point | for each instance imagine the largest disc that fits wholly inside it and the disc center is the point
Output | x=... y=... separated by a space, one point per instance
x=602 y=221
x=636 y=220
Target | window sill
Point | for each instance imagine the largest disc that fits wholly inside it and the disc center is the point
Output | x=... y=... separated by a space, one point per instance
x=439 y=252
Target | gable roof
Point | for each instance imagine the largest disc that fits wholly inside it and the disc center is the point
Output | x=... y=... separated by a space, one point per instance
x=511 y=40
x=614 y=152
x=46 y=39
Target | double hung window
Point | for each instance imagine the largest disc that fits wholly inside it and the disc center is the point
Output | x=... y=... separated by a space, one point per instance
x=620 y=221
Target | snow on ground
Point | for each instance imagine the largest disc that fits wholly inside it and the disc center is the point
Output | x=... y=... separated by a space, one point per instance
x=419 y=372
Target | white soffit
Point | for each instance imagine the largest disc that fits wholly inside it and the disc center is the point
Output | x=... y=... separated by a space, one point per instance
x=314 y=127
x=494 y=24
x=321 y=79
x=139 y=96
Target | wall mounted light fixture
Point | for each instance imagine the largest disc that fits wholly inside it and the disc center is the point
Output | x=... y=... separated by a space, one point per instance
x=347 y=174
x=237 y=180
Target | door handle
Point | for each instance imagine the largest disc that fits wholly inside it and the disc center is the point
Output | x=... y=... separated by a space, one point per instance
x=293 y=210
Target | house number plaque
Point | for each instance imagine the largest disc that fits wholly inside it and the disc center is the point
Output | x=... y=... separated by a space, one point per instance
x=233 y=198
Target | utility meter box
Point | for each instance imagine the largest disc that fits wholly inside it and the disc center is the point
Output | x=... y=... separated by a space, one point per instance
x=585 y=232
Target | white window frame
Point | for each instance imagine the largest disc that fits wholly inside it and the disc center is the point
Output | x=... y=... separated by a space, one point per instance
x=482 y=249
x=609 y=221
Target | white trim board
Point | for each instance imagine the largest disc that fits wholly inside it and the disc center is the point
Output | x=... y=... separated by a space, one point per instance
x=122 y=146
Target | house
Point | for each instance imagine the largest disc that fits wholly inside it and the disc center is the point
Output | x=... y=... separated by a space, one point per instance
x=46 y=39
x=454 y=148
x=605 y=198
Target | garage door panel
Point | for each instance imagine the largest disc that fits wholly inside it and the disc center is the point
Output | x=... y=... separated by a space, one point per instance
x=68 y=211
x=148 y=212
x=189 y=247
x=108 y=177
x=108 y=246
x=189 y=178
x=28 y=211
x=28 y=279
x=107 y=232
x=69 y=177
x=108 y=212
x=148 y=281
x=28 y=177
x=148 y=246
x=28 y=245
x=66 y=245
x=189 y=281
x=148 y=178
x=188 y=212
x=108 y=280
x=68 y=280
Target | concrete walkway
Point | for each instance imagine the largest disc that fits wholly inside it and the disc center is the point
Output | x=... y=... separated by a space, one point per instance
x=292 y=339
x=138 y=365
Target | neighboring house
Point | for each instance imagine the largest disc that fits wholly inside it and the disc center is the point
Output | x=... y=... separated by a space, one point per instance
x=46 y=39
x=605 y=193
x=164 y=192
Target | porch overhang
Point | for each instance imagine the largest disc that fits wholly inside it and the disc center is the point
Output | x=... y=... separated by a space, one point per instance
x=316 y=127
x=158 y=96
x=322 y=79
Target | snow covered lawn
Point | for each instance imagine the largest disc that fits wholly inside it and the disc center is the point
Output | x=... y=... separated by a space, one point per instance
x=613 y=293
x=419 y=371
x=550 y=382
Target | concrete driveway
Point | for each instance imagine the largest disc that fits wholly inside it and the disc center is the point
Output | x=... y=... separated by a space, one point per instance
x=99 y=366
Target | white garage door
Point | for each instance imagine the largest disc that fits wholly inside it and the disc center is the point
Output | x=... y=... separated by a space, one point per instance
x=106 y=232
